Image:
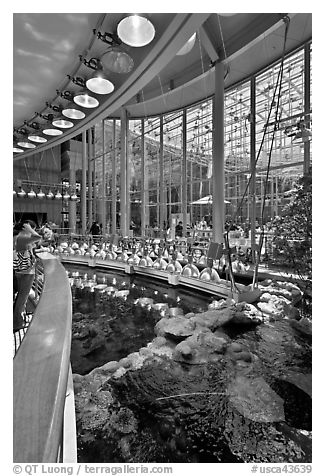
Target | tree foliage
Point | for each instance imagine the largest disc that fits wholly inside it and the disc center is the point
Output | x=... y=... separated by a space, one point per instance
x=293 y=232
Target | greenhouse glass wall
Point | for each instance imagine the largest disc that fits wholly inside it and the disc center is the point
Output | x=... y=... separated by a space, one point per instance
x=169 y=157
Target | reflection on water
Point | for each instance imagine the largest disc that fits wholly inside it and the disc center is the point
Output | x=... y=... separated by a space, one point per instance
x=107 y=328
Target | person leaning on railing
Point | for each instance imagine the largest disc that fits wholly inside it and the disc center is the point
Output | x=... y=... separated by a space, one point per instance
x=24 y=268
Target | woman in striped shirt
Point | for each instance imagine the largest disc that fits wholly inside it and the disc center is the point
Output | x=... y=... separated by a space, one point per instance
x=24 y=267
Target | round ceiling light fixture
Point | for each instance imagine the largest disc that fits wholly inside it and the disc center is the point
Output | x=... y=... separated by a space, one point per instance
x=84 y=99
x=50 y=131
x=117 y=61
x=99 y=84
x=188 y=46
x=71 y=112
x=62 y=122
x=17 y=150
x=37 y=138
x=26 y=145
x=136 y=31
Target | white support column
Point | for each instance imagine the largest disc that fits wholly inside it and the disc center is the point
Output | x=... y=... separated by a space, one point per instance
x=276 y=211
x=307 y=107
x=95 y=191
x=84 y=184
x=72 y=204
x=162 y=205
x=253 y=164
x=127 y=175
x=218 y=181
x=144 y=183
x=124 y=226
x=90 y=180
x=103 y=194
x=184 y=175
x=113 y=192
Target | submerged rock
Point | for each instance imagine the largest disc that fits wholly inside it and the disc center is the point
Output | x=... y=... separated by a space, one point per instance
x=212 y=319
x=255 y=399
x=202 y=347
x=245 y=314
x=304 y=325
x=174 y=328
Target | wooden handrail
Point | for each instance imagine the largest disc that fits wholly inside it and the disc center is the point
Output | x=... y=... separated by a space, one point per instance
x=40 y=371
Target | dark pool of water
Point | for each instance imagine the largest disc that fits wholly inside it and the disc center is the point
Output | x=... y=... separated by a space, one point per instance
x=192 y=428
x=117 y=326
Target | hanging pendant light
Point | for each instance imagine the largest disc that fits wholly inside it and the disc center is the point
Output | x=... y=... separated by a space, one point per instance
x=74 y=197
x=37 y=138
x=62 y=122
x=21 y=193
x=136 y=31
x=84 y=99
x=15 y=193
x=49 y=195
x=41 y=194
x=17 y=150
x=66 y=195
x=31 y=194
x=98 y=83
x=188 y=46
x=58 y=195
x=50 y=131
x=117 y=61
x=26 y=145
x=71 y=112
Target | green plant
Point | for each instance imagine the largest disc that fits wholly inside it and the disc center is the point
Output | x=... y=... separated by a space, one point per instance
x=292 y=242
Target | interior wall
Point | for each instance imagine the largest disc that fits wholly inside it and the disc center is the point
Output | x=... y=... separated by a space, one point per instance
x=43 y=170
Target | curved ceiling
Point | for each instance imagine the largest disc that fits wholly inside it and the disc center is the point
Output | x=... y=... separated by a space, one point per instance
x=47 y=48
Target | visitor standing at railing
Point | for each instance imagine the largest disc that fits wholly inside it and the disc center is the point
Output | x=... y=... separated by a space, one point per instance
x=24 y=268
x=94 y=229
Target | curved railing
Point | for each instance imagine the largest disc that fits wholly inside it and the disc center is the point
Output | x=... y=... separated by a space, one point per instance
x=41 y=370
